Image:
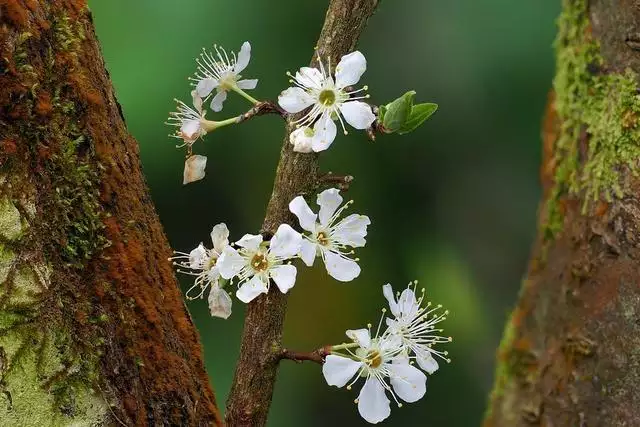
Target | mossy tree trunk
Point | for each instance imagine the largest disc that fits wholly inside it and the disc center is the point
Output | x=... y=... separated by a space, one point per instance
x=93 y=328
x=570 y=355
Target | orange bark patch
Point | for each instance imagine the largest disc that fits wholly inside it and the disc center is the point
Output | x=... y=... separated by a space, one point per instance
x=43 y=104
x=15 y=12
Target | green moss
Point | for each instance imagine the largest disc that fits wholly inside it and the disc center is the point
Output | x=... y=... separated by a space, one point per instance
x=10 y=221
x=7 y=258
x=504 y=370
x=599 y=113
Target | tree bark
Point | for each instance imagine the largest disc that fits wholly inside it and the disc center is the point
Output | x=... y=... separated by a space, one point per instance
x=297 y=173
x=93 y=328
x=570 y=355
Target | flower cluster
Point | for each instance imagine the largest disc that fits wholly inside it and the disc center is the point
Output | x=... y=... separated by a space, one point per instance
x=253 y=263
x=386 y=359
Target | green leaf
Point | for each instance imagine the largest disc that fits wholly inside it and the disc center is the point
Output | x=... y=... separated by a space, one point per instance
x=419 y=113
x=397 y=112
x=381 y=110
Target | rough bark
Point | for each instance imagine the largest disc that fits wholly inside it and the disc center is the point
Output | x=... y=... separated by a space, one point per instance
x=297 y=173
x=93 y=328
x=570 y=355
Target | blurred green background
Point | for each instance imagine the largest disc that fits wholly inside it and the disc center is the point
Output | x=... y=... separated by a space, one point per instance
x=452 y=204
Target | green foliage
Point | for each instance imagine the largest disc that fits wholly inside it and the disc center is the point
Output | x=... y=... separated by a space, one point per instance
x=402 y=116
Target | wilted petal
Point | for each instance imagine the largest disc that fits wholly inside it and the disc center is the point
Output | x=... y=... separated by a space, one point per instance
x=198 y=257
x=248 y=84
x=197 y=101
x=360 y=336
x=408 y=382
x=284 y=277
x=350 y=68
x=309 y=77
x=373 y=404
x=250 y=241
x=194 y=168
x=243 y=58
x=301 y=141
x=341 y=268
x=220 y=237
x=190 y=130
x=308 y=252
x=230 y=263
x=251 y=289
x=218 y=100
x=329 y=200
x=205 y=86
x=338 y=370
x=219 y=302
x=285 y=242
x=358 y=114
x=294 y=100
x=306 y=217
x=324 y=133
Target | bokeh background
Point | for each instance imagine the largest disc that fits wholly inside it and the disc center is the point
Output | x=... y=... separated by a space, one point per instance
x=452 y=204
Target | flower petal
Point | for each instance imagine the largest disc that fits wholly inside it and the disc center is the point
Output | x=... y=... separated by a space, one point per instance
x=251 y=289
x=190 y=130
x=194 y=168
x=358 y=114
x=285 y=242
x=324 y=133
x=219 y=302
x=338 y=370
x=294 y=100
x=360 y=336
x=301 y=142
x=350 y=68
x=220 y=237
x=197 y=101
x=243 y=58
x=329 y=200
x=250 y=241
x=198 y=257
x=218 y=100
x=308 y=252
x=248 y=84
x=426 y=361
x=284 y=276
x=230 y=262
x=352 y=230
x=306 y=217
x=205 y=86
x=309 y=77
x=341 y=268
x=408 y=304
x=373 y=404
x=387 y=291
x=408 y=382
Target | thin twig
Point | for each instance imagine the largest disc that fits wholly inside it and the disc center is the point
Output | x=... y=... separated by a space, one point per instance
x=262 y=108
x=342 y=182
x=317 y=355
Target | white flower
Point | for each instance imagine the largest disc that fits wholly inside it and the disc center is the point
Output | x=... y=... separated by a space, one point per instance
x=220 y=72
x=191 y=123
x=414 y=324
x=255 y=262
x=203 y=264
x=375 y=359
x=329 y=99
x=194 y=168
x=330 y=238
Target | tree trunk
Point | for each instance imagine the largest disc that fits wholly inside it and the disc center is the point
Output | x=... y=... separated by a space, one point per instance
x=570 y=354
x=93 y=328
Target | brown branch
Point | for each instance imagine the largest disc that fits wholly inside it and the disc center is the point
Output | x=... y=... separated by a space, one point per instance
x=317 y=355
x=262 y=108
x=297 y=173
x=342 y=182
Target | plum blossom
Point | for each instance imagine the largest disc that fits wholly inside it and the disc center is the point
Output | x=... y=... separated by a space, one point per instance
x=329 y=237
x=221 y=72
x=203 y=264
x=329 y=99
x=190 y=122
x=256 y=261
x=385 y=367
x=414 y=324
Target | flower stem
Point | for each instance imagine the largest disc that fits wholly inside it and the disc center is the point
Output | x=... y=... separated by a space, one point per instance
x=245 y=95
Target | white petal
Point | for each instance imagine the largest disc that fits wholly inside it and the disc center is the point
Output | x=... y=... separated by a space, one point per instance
x=309 y=77
x=294 y=100
x=219 y=302
x=230 y=262
x=308 y=252
x=341 y=268
x=197 y=101
x=358 y=114
x=427 y=362
x=284 y=277
x=198 y=257
x=248 y=84
x=350 y=68
x=220 y=237
x=408 y=382
x=324 y=133
x=286 y=242
x=216 y=102
x=306 y=217
x=329 y=200
x=250 y=241
x=408 y=304
x=205 y=86
x=352 y=230
x=360 y=336
x=387 y=291
x=338 y=370
x=251 y=289
x=373 y=404
x=243 y=58
x=190 y=130
x=194 y=168
x=300 y=140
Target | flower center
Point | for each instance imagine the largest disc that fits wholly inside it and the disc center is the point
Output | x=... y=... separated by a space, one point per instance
x=211 y=263
x=374 y=359
x=322 y=238
x=227 y=81
x=309 y=132
x=327 y=97
x=259 y=262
